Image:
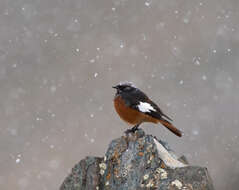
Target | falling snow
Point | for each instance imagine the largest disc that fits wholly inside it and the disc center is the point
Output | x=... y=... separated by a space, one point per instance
x=58 y=67
x=92 y=60
x=181 y=82
x=147 y=3
x=196 y=61
x=204 y=77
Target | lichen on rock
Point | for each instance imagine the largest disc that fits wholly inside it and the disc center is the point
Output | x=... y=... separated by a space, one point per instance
x=137 y=161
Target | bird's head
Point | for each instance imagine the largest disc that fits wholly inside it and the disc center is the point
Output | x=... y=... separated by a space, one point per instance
x=125 y=87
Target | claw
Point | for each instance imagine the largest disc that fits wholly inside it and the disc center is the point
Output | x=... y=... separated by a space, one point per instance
x=132 y=130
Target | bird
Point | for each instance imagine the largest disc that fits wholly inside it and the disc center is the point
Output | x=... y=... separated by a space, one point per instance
x=135 y=107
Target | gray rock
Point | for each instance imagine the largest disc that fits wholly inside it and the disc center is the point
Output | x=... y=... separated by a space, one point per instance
x=133 y=162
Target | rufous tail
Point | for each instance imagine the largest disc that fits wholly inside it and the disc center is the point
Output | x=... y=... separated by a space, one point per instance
x=170 y=126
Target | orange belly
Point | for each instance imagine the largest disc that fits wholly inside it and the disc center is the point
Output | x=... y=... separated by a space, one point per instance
x=131 y=115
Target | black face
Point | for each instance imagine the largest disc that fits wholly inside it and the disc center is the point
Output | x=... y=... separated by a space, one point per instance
x=121 y=88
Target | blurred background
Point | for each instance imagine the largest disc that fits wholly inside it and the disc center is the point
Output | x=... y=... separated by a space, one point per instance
x=60 y=58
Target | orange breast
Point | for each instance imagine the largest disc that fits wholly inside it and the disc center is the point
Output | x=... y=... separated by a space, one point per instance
x=131 y=115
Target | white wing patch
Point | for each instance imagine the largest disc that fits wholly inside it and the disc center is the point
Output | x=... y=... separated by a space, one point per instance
x=145 y=107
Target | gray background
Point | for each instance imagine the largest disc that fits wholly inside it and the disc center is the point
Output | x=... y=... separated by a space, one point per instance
x=59 y=59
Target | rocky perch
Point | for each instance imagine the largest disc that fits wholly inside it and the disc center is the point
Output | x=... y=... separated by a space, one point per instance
x=136 y=162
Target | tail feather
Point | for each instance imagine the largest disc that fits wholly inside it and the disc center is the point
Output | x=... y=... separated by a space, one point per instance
x=166 y=117
x=170 y=126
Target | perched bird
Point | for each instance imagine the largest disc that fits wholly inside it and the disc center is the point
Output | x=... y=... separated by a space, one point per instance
x=135 y=107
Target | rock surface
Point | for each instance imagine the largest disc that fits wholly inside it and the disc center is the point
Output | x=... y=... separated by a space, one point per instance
x=137 y=161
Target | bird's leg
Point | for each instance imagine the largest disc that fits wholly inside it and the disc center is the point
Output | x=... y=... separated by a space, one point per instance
x=133 y=129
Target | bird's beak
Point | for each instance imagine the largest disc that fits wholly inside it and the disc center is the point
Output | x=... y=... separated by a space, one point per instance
x=115 y=87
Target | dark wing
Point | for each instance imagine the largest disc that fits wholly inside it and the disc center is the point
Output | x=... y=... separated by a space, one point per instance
x=158 y=113
x=138 y=99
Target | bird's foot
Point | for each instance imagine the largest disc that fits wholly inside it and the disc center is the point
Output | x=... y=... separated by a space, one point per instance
x=132 y=130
